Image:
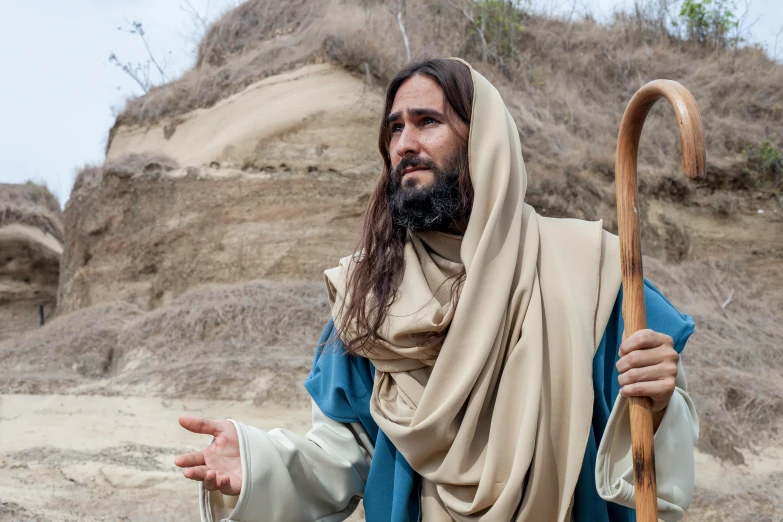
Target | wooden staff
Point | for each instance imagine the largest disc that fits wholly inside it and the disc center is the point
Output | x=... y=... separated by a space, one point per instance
x=693 y=164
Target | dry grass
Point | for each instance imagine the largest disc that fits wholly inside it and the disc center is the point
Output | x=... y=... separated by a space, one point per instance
x=566 y=83
x=261 y=38
x=65 y=351
x=216 y=341
x=31 y=204
x=251 y=23
x=751 y=501
x=734 y=361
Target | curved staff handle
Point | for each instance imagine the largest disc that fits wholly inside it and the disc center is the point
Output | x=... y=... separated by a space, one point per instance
x=693 y=164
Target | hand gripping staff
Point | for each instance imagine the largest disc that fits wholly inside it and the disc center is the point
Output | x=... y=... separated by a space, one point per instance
x=694 y=165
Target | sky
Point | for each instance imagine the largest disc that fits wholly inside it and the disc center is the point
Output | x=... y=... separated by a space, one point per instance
x=59 y=93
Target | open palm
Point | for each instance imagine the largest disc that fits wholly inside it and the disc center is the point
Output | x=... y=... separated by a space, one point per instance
x=218 y=465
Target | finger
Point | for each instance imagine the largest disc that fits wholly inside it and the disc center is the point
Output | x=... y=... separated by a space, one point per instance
x=656 y=372
x=646 y=357
x=210 y=480
x=224 y=484
x=195 y=458
x=644 y=339
x=199 y=425
x=196 y=473
x=654 y=389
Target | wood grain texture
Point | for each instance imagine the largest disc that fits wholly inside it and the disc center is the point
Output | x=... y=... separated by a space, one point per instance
x=694 y=166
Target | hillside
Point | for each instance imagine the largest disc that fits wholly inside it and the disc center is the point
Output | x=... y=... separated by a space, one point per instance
x=191 y=272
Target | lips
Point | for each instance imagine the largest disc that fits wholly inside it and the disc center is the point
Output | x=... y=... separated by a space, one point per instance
x=411 y=165
x=413 y=169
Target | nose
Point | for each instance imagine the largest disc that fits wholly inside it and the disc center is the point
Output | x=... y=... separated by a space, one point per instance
x=408 y=143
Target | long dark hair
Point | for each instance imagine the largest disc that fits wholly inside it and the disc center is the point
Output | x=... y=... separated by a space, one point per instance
x=376 y=274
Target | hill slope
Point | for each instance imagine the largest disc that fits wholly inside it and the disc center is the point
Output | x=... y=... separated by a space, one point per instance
x=193 y=257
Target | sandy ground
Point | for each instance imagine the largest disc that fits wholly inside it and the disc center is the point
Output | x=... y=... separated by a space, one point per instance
x=294 y=162
x=69 y=458
x=746 y=492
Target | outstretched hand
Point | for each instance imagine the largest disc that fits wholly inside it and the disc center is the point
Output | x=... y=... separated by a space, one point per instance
x=218 y=465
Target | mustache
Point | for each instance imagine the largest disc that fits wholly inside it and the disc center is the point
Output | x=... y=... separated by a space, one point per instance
x=413 y=161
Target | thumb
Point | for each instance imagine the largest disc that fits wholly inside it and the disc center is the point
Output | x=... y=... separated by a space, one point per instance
x=199 y=425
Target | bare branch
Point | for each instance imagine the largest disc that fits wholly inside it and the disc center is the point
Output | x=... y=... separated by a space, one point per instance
x=132 y=72
x=478 y=27
x=198 y=18
x=400 y=14
x=199 y=24
x=775 y=53
x=727 y=301
x=570 y=25
x=140 y=31
x=140 y=73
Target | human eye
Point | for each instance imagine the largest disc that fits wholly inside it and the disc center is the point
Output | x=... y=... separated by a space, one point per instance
x=396 y=127
x=428 y=121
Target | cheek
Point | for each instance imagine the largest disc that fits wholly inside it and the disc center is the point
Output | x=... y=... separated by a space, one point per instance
x=441 y=145
x=391 y=150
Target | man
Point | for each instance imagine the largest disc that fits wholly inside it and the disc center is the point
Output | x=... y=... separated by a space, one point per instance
x=474 y=368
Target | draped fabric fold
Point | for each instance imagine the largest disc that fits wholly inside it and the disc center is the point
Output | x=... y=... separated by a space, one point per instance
x=495 y=417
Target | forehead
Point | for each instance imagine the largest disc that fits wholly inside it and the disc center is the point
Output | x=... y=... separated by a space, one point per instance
x=418 y=91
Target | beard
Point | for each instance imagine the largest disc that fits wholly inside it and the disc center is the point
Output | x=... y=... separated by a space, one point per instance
x=433 y=207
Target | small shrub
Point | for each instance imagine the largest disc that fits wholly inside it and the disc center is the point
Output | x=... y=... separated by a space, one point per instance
x=709 y=22
x=39 y=193
x=771 y=158
x=765 y=160
x=494 y=29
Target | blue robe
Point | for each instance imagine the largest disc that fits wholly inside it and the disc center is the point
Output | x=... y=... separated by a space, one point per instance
x=341 y=386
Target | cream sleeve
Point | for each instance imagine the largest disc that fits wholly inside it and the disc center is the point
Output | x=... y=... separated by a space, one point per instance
x=674 y=441
x=289 y=478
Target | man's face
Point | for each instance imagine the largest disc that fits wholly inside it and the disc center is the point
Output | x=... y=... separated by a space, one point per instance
x=426 y=154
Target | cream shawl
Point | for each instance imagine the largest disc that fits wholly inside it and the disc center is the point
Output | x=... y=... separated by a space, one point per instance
x=496 y=418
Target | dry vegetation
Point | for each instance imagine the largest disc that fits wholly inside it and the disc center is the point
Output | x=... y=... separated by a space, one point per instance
x=734 y=362
x=243 y=341
x=566 y=83
x=144 y=165
x=31 y=204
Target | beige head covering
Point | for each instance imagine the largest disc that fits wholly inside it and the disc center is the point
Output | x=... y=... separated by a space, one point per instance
x=497 y=417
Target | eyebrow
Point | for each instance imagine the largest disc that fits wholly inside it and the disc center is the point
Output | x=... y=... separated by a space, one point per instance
x=420 y=112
